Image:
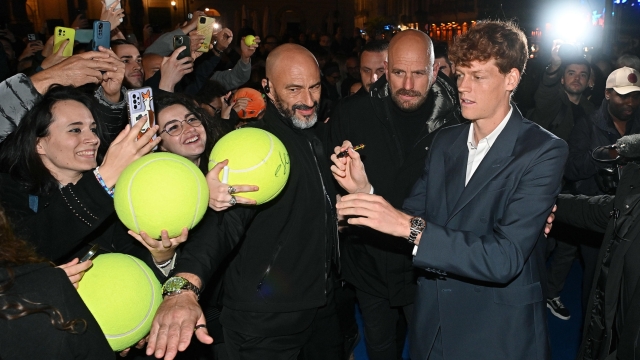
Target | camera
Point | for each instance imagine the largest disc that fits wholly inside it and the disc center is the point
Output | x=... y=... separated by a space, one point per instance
x=32 y=37
x=203 y=20
x=189 y=16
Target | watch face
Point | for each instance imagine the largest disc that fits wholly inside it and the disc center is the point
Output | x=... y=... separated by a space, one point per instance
x=174 y=284
x=417 y=222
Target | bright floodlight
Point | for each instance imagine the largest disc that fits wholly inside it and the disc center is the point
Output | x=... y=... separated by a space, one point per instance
x=571 y=24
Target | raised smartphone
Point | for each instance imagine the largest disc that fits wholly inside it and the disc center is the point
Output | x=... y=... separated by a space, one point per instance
x=101 y=35
x=139 y=104
x=84 y=36
x=60 y=34
x=182 y=40
x=205 y=27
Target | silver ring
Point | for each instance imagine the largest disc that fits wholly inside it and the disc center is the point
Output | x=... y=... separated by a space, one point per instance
x=231 y=190
x=233 y=201
x=199 y=326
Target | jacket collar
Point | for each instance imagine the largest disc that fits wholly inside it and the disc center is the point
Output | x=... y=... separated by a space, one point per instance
x=455 y=160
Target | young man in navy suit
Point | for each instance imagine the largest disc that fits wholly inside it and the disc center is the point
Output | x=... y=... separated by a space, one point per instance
x=477 y=214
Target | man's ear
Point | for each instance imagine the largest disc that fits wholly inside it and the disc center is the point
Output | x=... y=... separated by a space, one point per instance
x=267 y=89
x=512 y=79
x=436 y=68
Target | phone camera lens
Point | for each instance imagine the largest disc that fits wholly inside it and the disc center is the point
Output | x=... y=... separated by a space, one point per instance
x=100 y=26
x=203 y=20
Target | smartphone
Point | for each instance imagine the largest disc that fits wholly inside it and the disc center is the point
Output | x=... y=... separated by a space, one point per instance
x=90 y=254
x=32 y=37
x=205 y=27
x=108 y=3
x=139 y=104
x=84 y=36
x=182 y=40
x=101 y=35
x=61 y=34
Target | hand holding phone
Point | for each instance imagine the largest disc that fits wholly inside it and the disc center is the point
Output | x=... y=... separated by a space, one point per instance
x=182 y=40
x=92 y=253
x=60 y=35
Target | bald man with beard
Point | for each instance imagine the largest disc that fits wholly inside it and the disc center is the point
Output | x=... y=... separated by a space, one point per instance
x=277 y=284
x=396 y=121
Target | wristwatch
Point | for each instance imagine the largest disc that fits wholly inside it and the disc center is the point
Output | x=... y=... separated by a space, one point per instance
x=417 y=226
x=178 y=284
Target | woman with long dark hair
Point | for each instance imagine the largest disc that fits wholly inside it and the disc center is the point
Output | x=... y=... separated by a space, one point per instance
x=41 y=314
x=54 y=194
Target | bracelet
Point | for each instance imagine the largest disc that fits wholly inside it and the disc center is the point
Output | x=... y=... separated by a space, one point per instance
x=101 y=181
x=164 y=264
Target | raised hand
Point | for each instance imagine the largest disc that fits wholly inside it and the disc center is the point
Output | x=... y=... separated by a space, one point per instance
x=75 y=270
x=173 y=70
x=162 y=250
x=220 y=194
x=112 y=80
x=111 y=14
x=349 y=170
x=248 y=51
x=125 y=149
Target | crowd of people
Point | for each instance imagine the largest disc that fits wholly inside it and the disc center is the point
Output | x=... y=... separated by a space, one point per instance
x=439 y=228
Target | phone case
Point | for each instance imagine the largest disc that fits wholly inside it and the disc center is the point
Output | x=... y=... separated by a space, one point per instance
x=182 y=40
x=84 y=36
x=139 y=104
x=205 y=27
x=61 y=34
x=101 y=34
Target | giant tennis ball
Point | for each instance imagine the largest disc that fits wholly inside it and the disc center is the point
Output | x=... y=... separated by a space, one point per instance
x=123 y=295
x=256 y=157
x=249 y=40
x=161 y=191
x=256 y=103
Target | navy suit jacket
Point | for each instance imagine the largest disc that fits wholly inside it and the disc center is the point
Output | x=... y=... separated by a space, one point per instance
x=483 y=250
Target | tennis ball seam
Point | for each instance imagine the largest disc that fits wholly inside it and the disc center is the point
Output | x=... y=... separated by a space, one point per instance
x=195 y=213
x=130 y=198
x=149 y=310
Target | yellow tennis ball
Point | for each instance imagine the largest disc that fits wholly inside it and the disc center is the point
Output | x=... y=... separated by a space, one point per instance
x=123 y=295
x=256 y=157
x=161 y=191
x=249 y=40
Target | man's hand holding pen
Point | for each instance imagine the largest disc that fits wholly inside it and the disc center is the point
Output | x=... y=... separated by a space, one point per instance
x=348 y=169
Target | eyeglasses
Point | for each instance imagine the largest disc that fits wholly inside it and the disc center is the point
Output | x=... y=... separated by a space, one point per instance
x=175 y=127
x=216 y=111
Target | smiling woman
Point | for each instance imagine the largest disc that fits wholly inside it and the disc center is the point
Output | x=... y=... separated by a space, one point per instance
x=52 y=197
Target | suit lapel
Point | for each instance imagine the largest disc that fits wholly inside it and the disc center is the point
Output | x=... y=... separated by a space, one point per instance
x=498 y=157
x=455 y=169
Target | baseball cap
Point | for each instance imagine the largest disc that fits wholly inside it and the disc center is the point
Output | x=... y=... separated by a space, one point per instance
x=624 y=80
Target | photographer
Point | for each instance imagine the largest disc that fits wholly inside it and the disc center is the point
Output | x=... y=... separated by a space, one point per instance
x=612 y=322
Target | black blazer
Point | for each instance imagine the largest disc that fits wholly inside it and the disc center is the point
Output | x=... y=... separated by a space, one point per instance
x=483 y=250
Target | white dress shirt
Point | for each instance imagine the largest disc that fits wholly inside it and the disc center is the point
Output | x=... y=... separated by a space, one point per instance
x=478 y=151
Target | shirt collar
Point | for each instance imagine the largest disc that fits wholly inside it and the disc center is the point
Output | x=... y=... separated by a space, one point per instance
x=491 y=138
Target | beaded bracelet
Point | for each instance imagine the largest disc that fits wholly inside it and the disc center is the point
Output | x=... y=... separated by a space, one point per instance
x=101 y=181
